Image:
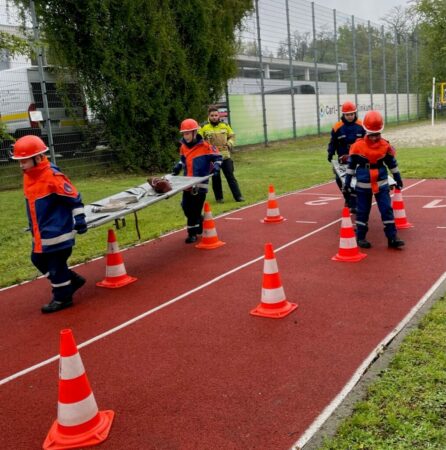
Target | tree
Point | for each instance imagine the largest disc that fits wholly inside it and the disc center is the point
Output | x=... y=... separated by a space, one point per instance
x=145 y=65
x=432 y=37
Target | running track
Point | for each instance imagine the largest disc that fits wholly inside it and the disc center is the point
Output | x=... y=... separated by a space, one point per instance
x=178 y=357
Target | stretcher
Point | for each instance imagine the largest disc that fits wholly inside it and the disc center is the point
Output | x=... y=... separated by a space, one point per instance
x=130 y=201
x=341 y=171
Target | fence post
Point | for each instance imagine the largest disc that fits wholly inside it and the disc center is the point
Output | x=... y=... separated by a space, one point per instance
x=407 y=78
x=383 y=36
x=290 y=58
x=335 y=36
x=417 y=78
x=262 y=86
x=370 y=64
x=355 y=71
x=316 y=74
x=396 y=80
x=228 y=106
x=39 y=50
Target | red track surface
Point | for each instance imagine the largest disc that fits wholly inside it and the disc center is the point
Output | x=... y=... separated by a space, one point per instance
x=201 y=373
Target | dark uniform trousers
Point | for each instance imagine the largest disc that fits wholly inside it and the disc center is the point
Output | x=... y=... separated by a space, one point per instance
x=227 y=167
x=54 y=265
x=364 y=205
x=192 y=205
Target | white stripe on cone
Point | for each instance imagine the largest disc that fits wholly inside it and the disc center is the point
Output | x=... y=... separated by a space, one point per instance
x=348 y=243
x=209 y=232
x=273 y=212
x=346 y=222
x=113 y=247
x=399 y=213
x=72 y=414
x=273 y=295
x=115 y=271
x=70 y=367
x=270 y=266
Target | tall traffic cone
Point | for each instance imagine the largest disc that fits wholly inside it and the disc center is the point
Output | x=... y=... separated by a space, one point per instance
x=210 y=239
x=273 y=301
x=399 y=211
x=115 y=274
x=272 y=210
x=348 y=247
x=79 y=422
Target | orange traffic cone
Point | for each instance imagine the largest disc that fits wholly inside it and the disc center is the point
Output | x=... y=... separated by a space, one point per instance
x=115 y=274
x=210 y=239
x=79 y=422
x=272 y=211
x=273 y=301
x=348 y=247
x=399 y=211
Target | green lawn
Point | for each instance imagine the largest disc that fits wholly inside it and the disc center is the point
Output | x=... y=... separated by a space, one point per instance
x=406 y=406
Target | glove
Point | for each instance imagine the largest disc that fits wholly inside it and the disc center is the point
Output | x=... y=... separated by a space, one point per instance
x=343 y=159
x=398 y=180
x=177 y=168
x=160 y=185
x=80 y=225
x=216 y=169
x=329 y=157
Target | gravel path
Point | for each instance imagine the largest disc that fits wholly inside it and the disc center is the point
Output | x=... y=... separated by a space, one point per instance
x=417 y=135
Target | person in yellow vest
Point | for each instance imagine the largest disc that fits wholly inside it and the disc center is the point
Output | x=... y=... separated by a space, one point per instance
x=221 y=135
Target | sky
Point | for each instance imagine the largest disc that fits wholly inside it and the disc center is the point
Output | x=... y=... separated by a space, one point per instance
x=365 y=9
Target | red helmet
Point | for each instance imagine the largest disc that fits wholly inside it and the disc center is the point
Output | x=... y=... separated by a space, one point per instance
x=28 y=146
x=189 y=125
x=348 y=107
x=373 y=122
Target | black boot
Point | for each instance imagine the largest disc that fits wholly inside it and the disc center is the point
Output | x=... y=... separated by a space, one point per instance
x=364 y=243
x=191 y=239
x=77 y=281
x=57 y=305
x=396 y=242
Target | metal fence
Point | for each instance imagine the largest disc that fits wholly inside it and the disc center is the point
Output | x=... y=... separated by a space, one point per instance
x=298 y=62
x=40 y=99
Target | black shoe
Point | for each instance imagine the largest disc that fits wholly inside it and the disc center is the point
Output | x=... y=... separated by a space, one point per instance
x=219 y=200
x=240 y=199
x=190 y=239
x=77 y=281
x=57 y=305
x=363 y=243
x=352 y=210
x=395 y=243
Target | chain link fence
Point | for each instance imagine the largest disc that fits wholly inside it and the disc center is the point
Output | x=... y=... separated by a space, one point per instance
x=40 y=99
x=299 y=61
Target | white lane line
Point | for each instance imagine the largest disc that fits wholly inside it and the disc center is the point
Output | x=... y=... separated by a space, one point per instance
x=440 y=284
x=162 y=306
x=233 y=218
x=305 y=221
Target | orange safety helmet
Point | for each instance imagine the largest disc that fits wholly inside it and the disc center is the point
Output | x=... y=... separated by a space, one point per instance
x=189 y=125
x=348 y=107
x=373 y=122
x=28 y=146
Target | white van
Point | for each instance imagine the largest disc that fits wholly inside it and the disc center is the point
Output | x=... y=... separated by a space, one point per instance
x=21 y=101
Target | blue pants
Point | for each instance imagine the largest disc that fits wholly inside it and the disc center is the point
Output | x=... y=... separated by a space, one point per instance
x=54 y=265
x=364 y=204
x=192 y=205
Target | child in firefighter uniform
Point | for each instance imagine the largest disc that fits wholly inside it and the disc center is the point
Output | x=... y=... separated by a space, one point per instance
x=367 y=160
x=220 y=134
x=343 y=134
x=198 y=158
x=55 y=213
